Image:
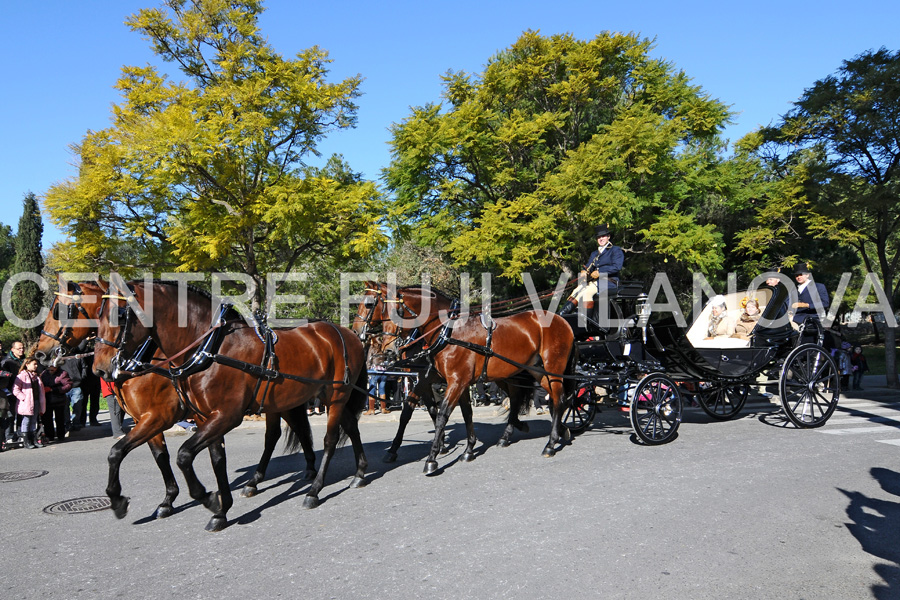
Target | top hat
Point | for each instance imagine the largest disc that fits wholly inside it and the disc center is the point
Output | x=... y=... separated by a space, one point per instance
x=601 y=230
x=802 y=269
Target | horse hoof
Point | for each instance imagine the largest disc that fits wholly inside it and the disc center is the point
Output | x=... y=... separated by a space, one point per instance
x=120 y=507
x=548 y=453
x=310 y=502
x=162 y=512
x=389 y=457
x=503 y=443
x=468 y=456
x=522 y=426
x=358 y=482
x=567 y=434
x=249 y=491
x=431 y=467
x=216 y=524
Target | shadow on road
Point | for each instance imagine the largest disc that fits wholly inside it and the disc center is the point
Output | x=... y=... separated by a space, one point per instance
x=875 y=523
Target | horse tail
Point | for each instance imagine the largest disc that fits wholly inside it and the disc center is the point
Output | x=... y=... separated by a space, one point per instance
x=359 y=397
x=300 y=420
x=359 y=393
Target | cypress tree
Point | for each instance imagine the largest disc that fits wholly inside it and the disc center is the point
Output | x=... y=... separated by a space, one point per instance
x=27 y=297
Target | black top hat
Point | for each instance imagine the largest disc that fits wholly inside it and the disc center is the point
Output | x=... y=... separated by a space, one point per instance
x=601 y=230
x=802 y=269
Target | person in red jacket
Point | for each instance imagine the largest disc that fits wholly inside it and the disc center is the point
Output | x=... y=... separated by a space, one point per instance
x=116 y=414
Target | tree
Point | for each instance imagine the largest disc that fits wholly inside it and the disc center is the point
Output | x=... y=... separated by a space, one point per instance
x=839 y=151
x=211 y=173
x=27 y=296
x=554 y=137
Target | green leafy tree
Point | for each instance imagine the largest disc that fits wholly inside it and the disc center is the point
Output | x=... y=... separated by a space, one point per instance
x=837 y=155
x=210 y=173
x=554 y=137
x=27 y=296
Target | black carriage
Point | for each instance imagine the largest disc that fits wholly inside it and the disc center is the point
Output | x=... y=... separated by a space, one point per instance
x=628 y=358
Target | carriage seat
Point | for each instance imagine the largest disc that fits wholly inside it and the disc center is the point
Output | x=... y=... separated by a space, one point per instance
x=696 y=335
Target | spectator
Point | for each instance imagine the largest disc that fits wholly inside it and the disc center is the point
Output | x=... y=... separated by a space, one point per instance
x=91 y=387
x=116 y=413
x=56 y=386
x=75 y=368
x=859 y=365
x=29 y=392
x=12 y=363
x=377 y=386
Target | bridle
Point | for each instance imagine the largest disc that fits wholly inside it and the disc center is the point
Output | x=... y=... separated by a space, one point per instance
x=122 y=363
x=64 y=334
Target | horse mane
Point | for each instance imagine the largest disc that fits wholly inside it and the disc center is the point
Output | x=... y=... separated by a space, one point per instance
x=434 y=290
x=231 y=314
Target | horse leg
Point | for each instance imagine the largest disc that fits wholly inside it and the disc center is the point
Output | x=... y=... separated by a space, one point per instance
x=209 y=434
x=161 y=455
x=455 y=389
x=145 y=430
x=273 y=434
x=405 y=415
x=351 y=427
x=298 y=420
x=465 y=407
x=332 y=430
x=225 y=499
x=513 y=421
x=556 y=393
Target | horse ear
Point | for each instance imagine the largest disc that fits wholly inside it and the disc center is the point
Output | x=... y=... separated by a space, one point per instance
x=103 y=285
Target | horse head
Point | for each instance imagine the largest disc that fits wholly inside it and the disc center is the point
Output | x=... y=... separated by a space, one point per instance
x=122 y=334
x=71 y=320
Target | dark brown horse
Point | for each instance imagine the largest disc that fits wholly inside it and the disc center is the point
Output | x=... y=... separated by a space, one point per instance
x=461 y=353
x=230 y=373
x=152 y=401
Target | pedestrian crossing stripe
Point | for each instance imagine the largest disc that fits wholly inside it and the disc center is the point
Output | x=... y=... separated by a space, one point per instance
x=853 y=430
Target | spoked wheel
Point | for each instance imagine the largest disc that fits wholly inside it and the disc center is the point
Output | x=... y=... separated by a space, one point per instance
x=722 y=401
x=580 y=412
x=656 y=409
x=810 y=386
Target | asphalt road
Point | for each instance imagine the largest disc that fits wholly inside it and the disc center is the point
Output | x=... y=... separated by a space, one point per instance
x=751 y=508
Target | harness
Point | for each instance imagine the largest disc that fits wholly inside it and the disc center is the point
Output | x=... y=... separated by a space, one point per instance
x=208 y=352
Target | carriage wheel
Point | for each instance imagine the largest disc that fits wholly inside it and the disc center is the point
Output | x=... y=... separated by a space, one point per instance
x=656 y=409
x=810 y=386
x=723 y=401
x=580 y=411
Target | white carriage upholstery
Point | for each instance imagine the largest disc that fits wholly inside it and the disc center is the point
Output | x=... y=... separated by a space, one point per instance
x=696 y=335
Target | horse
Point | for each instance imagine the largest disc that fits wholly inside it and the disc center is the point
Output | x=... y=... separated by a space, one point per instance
x=465 y=349
x=371 y=314
x=152 y=401
x=224 y=376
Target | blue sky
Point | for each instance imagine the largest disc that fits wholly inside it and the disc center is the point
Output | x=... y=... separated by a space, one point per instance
x=61 y=59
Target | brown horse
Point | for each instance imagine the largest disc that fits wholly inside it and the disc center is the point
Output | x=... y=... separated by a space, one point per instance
x=461 y=353
x=227 y=372
x=152 y=401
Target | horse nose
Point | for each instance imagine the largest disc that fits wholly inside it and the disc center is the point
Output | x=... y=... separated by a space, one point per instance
x=41 y=357
x=102 y=374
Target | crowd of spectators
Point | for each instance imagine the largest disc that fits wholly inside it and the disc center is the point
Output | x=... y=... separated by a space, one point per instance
x=42 y=405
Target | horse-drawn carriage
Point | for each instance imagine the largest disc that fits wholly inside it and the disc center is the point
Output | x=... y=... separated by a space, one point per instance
x=651 y=365
x=625 y=356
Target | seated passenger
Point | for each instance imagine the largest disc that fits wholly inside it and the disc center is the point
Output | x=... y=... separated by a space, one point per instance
x=719 y=323
x=748 y=319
